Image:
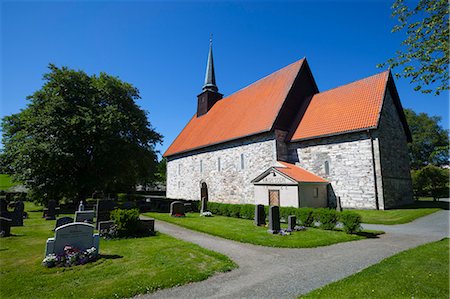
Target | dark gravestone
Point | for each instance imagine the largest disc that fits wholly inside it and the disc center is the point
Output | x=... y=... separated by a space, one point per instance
x=274 y=220
x=17 y=214
x=5 y=226
x=204 y=205
x=177 y=209
x=84 y=216
x=51 y=210
x=147 y=227
x=292 y=222
x=105 y=225
x=103 y=210
x=260 y=215
x=62 y=221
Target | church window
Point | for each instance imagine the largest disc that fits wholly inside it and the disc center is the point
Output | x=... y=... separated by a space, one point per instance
x=201 y=165
x=327 y=167
x=316 y=192
x=179 y=169
x=179 y=184
x=219 y=168
x=242 y=161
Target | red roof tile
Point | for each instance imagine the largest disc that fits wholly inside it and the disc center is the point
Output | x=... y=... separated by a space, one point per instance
x=299 y=174
x=249 y=111
x=347 y=108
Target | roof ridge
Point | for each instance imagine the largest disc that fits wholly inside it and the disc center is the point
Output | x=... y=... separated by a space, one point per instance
x=377 y=74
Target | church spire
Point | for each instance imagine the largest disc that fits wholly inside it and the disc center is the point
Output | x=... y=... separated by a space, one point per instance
x=210 y=78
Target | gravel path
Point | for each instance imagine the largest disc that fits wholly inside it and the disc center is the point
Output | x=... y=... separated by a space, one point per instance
x=266 y=272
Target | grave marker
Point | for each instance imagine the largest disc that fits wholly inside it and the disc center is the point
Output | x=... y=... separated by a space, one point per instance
x=84 y=216
x=103 y=210
x=51 y=210
x=274 y=220
x=260 y=215
x=76 y=234
x=17 y=214
x=292 y=222
x=177 y=209
x=63 y=221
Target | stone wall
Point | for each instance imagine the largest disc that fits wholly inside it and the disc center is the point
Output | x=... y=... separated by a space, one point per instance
x=351 y=174
x=394 y=159
x=230 y=184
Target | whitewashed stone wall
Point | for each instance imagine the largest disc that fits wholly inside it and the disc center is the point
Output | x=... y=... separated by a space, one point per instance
x=230 y=184
x=394 y=159
x=350 y=167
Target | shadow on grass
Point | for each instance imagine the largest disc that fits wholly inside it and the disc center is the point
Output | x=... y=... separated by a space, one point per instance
x=109 y=256
x=425 y=204
x=369 y=234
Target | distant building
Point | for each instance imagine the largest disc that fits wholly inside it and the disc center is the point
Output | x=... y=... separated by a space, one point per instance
x=280 y=141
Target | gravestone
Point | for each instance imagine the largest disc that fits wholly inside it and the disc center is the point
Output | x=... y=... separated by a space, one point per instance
x=292 y=222
x=105 y=225
x=260 y=215
x=51 y=210
x=338 y=204
x=103 y=210
x=85 y=216
x=76 y=234
x=147 y=226
x=63 y=221
x=274 y=220
x=177 y=209
x=5 y=226
x=204 y=205
x=17 y=214
x=81 y=206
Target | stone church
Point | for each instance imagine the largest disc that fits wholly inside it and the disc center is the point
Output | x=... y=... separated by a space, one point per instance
x=279 y=141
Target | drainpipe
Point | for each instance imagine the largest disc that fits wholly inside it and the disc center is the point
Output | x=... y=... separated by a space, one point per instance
x=377 y=205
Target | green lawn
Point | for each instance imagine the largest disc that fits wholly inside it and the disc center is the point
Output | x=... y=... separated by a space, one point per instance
x=245 y=231
x=402 y=215
x=421 y=272
x=6 y=182
x=127 y=267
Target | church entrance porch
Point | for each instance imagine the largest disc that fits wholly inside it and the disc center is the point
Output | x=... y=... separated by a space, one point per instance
x=274 y=198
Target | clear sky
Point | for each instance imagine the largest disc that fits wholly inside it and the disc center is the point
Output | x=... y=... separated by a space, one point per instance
x=161 y=48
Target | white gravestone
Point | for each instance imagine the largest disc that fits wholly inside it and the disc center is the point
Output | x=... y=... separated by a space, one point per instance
x=77 y=234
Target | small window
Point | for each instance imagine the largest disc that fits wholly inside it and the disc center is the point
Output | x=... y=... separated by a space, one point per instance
x=327 y=167
x=316 y=192
x=201 y=165
x=242 y=161
x=219 y=168
x=179 y=169
x=179 y=184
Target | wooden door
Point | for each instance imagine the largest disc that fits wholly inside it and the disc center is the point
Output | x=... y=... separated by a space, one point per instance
x=274 y=198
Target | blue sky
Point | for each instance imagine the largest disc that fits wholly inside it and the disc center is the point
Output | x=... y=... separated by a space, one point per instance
x=161 y=48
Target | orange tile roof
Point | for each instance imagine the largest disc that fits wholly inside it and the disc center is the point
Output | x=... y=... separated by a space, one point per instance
x=347 y=108
x=248 y=111
x=299 y=174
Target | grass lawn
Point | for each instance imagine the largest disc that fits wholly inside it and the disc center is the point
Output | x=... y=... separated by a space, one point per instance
x=402 y=215
x=420 y=272
x=127 y=267
x=6 y=182
x=245 y=231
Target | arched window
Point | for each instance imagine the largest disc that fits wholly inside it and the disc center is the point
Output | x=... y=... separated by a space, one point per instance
x=201 y=165
x=327 y=167
x=219 y=168
x=242 y=161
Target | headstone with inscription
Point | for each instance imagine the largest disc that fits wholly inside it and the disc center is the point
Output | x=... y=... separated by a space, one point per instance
x=51 y=210
x=62 y=221
x=76 y=234
x=292 y=222
x=17 y=214
x=177 y=209
x=84 y=216
x=260 y=215
x=274 y=220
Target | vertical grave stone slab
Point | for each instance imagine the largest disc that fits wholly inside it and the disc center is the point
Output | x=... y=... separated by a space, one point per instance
x=177 y=209
x=260 y=215
x=5 y=227
x=292 y=222
x=51 y=210
x=204 y=205
x=17 y=214
x=274 y=220
x=76 y=234
x=63 y=221
x=103 y=210
x=84 y=216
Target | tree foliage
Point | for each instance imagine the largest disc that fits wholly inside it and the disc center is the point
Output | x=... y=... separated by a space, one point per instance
x=161 y=171
x=430 y=143
x=424 y=54
x=80 y=134
x=431 y=181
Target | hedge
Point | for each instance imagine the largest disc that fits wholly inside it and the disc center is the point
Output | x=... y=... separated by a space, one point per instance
x=327 y=218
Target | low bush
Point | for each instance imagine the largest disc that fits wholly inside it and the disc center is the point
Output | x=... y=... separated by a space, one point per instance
x=127 y=222
x=351 y=221
x=306 y=217
x=328 y=218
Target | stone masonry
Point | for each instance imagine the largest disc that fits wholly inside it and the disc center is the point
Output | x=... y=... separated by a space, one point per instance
x=230 y=183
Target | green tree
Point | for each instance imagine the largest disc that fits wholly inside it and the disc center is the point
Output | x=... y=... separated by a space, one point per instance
x=161 y=171
x=80 y=134
x=424 y=54
x=431 y=181
x=430 y=143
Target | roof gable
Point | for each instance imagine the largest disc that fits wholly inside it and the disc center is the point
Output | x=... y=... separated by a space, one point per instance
x=286 y=173
x=249 y=111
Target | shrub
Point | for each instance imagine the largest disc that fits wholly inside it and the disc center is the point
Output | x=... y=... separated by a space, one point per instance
x=351 y=221
x=305 y=215
x=127 y=222
x=247 y=211
x=328 y=218
x=285 y=212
